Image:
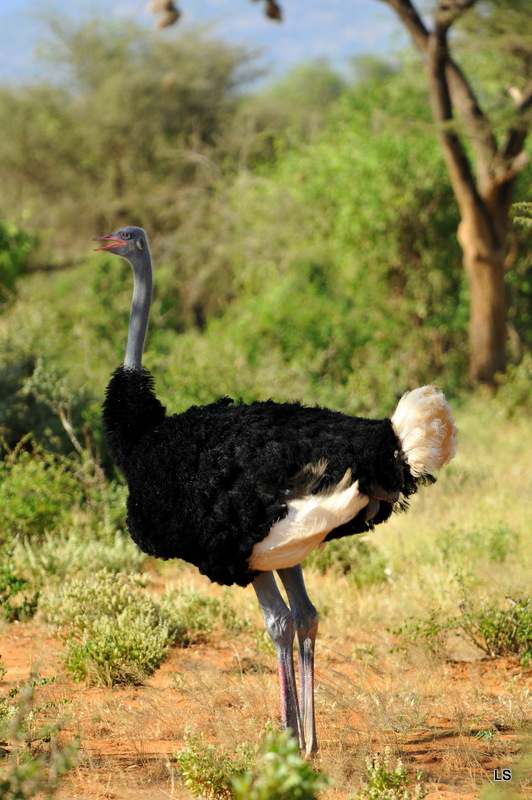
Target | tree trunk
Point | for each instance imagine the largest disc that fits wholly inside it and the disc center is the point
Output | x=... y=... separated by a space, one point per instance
x=483 y=262
x=484 y=196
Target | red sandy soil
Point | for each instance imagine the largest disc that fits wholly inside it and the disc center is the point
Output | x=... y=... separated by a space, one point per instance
x=430 y=714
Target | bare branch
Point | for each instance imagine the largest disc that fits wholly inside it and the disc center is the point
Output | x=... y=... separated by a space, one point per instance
x=462 y=178
x=517 y=134
x=449 y=11
x=462 y=96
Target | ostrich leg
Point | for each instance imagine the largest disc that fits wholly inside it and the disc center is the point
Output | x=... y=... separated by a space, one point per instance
x=306 y=620
x=281 y=627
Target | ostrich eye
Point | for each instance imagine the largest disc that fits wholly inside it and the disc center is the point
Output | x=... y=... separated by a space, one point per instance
x=126 y=235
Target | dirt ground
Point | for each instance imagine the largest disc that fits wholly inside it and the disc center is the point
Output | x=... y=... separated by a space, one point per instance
x=459 y=722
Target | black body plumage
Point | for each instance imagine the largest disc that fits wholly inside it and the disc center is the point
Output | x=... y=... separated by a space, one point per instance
x=208 y=484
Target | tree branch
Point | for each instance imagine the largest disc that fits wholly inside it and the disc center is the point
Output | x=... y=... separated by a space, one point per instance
x=462 y=96
x=462 y=178
x=517 y=134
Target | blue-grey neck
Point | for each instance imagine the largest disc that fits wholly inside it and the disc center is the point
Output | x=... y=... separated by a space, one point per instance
x=140 y=308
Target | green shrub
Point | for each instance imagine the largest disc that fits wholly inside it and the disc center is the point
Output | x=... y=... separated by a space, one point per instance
x=386 y=781
x=279 y=773
x=115 y=632
x=514 y=393
x=124 y=648
x=37 y=491
x=496 y=627
x=351 y=556
x=207 y=772
x=18 y=601
x=23 y=728
x=59 y=555
x=15 y=246
x=430 y=633
x=495 y=543
x=190 y=617
x=499 y=629
x=275 y=772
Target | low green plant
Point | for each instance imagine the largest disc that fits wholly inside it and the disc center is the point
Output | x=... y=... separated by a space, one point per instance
x=279 y=773
x=495 y=543
x=275 y=772
x=190 y=617
x=18 y=601
x=125 y=648
x=497 y=627
x=430 y=632
x=387 y=779
x=207 y=772
x=33 y=489
x=15 y=247
x=513 y=386
x=116 y=632
x=78 y=552
x=351 y=556
x=26 y=774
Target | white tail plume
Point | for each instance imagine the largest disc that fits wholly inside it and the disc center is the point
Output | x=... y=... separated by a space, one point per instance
x=423 y=424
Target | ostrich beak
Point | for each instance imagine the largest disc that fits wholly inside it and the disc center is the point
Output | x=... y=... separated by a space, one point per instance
x=114 y=242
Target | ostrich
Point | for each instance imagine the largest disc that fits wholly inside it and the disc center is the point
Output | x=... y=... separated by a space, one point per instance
x=243 y=490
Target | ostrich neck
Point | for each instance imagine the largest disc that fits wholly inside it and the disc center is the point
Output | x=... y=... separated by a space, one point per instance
x=140 y=310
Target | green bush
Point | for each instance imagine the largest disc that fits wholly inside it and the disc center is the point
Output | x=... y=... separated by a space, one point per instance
x=116 y=632
x=18 y=600
x=60 y=555
x=207 y=772
x=351 y=556
x=124 y=648
x=275 y=772
x=37 y=491
x=388 y=781
x=279 y=773
x=27 y=773
x=514 y=394
x=15 y=246
x=495 y=543
x=497 y=627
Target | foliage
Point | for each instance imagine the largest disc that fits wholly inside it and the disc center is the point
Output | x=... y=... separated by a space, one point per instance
x=275 y=772
x=15 y=246
x=513 y=388
x=45 y=495
x=351 y=556
x=56 y=556
x=499 y=630
x=292 y=107
x=26 y=775
x=279 y=773
x=386 y=781
x=495 y=626
x=134 y=131
x=33 y=488
x=115 y=632
x=17 y=600
x=121 y=649
x=493 y=39
x=494 y=543
x=206 y=771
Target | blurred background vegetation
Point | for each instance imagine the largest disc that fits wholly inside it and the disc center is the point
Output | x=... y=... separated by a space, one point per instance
x=303 y=231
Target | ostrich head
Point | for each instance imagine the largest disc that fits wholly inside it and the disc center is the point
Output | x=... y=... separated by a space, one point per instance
x=127 y=242
x=132 y=243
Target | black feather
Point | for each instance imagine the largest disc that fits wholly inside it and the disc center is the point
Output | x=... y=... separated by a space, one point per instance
x=208 y=484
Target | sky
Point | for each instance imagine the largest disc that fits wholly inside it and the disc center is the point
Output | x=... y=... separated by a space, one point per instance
x=333 y=29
